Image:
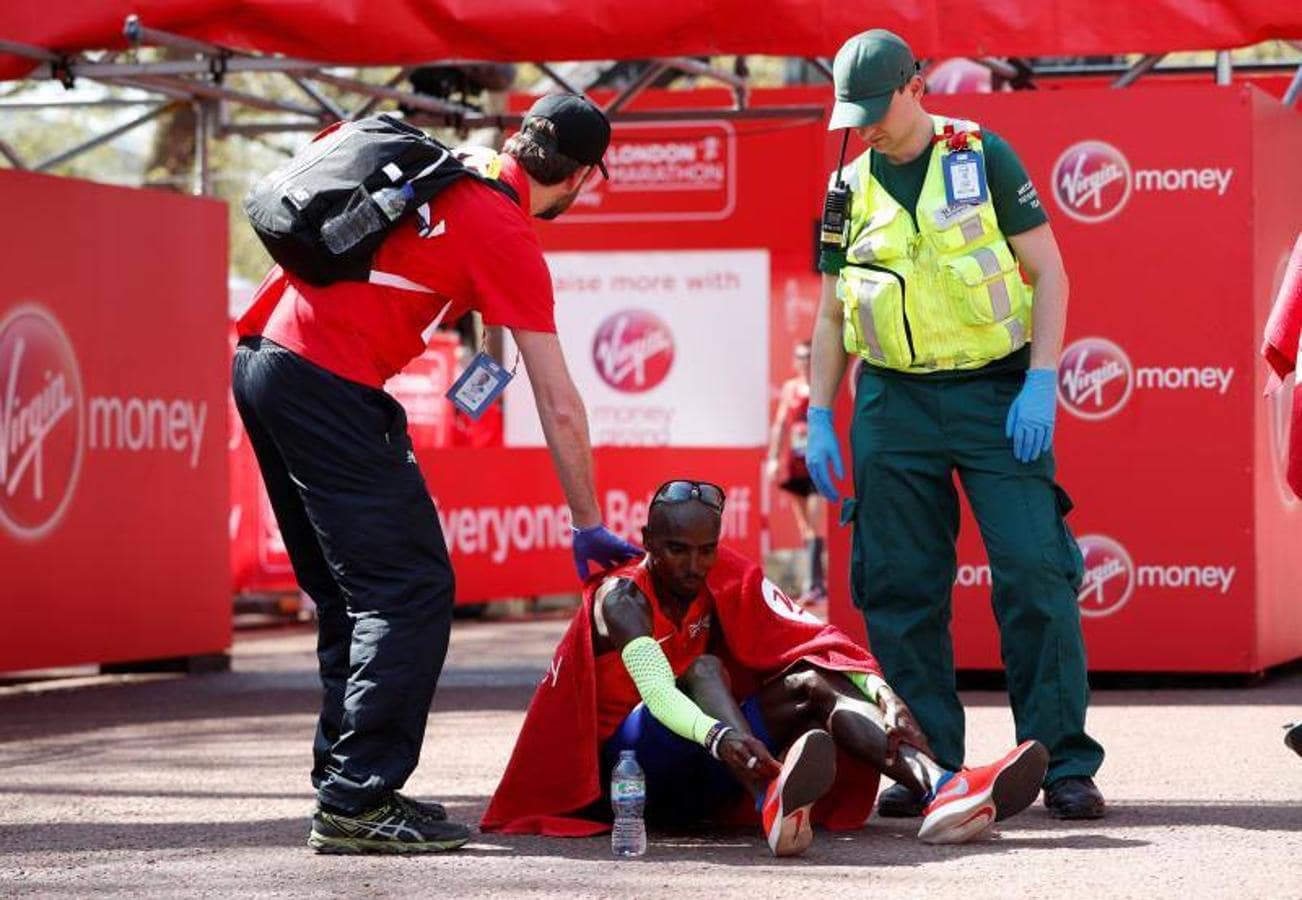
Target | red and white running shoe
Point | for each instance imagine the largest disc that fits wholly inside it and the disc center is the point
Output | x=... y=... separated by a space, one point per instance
x=808 y=770
x=968 y=802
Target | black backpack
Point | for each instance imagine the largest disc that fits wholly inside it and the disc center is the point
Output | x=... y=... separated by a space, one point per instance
x=324 y=213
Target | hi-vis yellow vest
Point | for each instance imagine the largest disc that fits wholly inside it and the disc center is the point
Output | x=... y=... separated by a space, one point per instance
x=944 y=294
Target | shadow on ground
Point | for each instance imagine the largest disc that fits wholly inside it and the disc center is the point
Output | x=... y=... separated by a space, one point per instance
x=874 y=845
x=233 y=695
x=881 y=842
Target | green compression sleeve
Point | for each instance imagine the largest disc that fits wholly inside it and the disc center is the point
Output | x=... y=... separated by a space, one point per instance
x=867 y=683
x=650 y=670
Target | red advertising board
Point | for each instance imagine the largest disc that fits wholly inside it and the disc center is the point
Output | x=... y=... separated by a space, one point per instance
x=663 y=172
x=113 y=384
x=1170 y=238
x=505 y=520
x=775 y=194
x=508 y=529
x=1276 y=148
x=1163 y=439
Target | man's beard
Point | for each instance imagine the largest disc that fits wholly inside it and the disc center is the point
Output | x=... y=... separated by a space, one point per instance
x=559 y=206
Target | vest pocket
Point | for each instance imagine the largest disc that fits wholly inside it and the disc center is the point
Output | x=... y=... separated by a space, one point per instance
x=872 y=303
x=985 y=284
x=878 y=240
x=956 y=227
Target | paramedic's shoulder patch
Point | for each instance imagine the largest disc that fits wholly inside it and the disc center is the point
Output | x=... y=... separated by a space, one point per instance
x=1028 y=197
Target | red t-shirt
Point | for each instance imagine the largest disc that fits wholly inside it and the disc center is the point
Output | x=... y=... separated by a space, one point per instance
x=484 y=256
x=796 y=395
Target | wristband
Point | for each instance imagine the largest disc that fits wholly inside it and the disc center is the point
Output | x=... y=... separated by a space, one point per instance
x=714 y=737
x=869 y=685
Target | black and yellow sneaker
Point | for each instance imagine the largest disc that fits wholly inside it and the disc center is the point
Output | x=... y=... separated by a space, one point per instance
x=394 y=826
x=429 y=808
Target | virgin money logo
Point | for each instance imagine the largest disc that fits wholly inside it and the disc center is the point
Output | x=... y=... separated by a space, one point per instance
x=633 y=351
x=42 y=422
x=1095 y=378
x=1109 y=576
x=1091 y=181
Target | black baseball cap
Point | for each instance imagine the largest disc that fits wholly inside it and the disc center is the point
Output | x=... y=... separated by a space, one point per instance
x=582 y=129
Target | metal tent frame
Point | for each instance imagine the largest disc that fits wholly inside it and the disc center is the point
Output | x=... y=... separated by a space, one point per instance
x=201 y=82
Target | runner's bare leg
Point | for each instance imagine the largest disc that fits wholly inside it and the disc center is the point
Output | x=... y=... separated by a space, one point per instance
x=809 y=697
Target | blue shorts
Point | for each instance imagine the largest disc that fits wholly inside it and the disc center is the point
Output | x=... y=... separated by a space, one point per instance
x=684 y=783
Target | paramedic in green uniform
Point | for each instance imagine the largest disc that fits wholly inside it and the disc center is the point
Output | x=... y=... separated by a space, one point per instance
x=949 y=268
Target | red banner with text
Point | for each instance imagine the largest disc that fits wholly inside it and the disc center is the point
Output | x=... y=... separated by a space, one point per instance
x=113 y=397
x=508 y=529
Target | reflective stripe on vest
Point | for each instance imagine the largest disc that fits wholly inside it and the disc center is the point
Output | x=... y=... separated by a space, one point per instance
x=865 y=292
x=964 y=303
x=999 y=299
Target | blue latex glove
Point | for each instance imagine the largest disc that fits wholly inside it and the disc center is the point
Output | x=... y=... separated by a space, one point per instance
x=1030 y=418
x=823 y=450
x=599 y=545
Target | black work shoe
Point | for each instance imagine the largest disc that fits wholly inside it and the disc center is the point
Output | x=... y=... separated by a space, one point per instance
x=428 y=808
x=899 y=802
x=1293 y=739
x=391 y=827
x=1074 y=797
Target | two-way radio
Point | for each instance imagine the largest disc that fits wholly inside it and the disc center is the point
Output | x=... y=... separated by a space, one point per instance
x=835 y=225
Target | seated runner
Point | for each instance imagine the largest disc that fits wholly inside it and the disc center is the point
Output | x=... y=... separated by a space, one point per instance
x=694 y=660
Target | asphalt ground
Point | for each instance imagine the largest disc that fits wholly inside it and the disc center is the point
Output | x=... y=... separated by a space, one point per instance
x=168 y=786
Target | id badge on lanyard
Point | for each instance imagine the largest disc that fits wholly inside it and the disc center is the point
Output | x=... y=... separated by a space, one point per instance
x=965 y=177
x=479 y=385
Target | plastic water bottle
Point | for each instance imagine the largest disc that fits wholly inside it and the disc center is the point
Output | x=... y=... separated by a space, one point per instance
x=351 y=227
x=392 y=201
x=628 y=797
x=362 y=220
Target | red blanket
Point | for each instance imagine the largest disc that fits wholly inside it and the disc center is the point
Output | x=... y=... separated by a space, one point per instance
x=1280 y=350
x=553 y=773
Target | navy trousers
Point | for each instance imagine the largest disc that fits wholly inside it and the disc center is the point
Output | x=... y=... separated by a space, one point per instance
x=366 y=546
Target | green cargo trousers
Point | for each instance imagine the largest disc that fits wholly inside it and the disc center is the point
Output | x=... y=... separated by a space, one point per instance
x=908 y=438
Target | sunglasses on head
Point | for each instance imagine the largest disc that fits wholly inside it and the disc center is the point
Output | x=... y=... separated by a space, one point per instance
x=678 y=491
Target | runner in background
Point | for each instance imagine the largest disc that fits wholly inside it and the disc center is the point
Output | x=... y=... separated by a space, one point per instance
x=791 y=430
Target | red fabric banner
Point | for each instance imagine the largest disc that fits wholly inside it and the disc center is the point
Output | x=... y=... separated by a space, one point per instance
x=400 y=32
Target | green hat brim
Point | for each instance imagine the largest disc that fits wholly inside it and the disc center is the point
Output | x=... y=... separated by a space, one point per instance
x=859 y=113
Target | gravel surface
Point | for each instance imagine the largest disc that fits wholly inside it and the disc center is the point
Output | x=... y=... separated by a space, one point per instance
x=172 y=786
